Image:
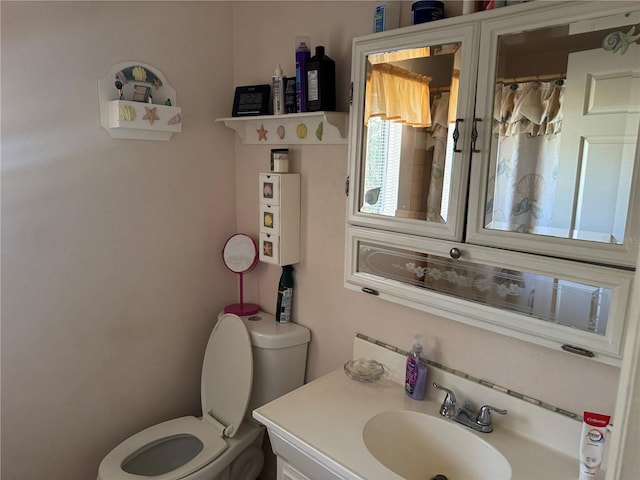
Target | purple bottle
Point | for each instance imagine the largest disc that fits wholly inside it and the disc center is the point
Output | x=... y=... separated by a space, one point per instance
x=303 y=53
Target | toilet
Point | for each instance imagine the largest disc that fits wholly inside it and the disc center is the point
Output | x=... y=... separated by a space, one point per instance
x=249 y=361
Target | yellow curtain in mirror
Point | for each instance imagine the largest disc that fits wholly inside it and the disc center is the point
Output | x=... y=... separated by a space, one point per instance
x=396 y=94
x=398 y=55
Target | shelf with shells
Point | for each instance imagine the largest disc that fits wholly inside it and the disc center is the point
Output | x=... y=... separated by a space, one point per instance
x=137 y=102
x=309 y=128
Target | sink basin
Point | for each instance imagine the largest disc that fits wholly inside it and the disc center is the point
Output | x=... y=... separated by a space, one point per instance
x=419 y=446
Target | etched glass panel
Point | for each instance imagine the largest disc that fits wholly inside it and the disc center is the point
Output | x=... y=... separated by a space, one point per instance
x=551 y=299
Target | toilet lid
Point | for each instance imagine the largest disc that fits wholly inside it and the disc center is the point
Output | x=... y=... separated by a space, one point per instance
x=227 y=373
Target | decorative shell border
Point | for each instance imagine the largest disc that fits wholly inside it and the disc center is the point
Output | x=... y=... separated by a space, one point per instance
x=319 y=128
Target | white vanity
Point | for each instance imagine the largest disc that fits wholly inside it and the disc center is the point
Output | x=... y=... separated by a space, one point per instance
x=320 y=431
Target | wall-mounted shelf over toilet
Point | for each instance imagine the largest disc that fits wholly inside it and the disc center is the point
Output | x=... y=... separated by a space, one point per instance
x=308 y=128
x=137 y=102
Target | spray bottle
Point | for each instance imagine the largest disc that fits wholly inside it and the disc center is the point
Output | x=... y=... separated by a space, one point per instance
x=303 y=53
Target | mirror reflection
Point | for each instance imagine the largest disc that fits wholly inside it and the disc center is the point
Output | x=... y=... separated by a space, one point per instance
x=408 y=142
x=565 y=123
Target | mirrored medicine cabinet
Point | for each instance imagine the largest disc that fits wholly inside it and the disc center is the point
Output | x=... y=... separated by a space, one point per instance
x=494 y=170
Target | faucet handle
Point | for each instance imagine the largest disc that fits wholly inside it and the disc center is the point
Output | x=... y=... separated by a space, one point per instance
x=448 y=407
x=484 y=415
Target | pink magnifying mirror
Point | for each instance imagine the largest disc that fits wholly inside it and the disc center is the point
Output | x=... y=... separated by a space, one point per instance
x=240 y=255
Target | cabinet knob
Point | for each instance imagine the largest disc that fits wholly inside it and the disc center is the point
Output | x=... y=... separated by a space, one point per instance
x=455 y=253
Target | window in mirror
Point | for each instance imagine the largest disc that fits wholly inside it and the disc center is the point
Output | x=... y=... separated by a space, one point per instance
x=384 y=139
x=549 y=298
x=565 y=125
x=409 y=115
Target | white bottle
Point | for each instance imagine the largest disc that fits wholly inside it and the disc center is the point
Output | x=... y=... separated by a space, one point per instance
x=278 y=92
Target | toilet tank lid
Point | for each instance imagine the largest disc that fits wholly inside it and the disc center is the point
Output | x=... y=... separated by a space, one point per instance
x=265 y=332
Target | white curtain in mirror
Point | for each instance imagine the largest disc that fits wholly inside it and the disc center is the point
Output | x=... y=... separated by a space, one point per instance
x=527 y=128
x=437 y=140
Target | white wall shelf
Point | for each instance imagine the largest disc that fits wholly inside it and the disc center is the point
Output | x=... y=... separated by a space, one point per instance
x=310 y=128
x=157 y=119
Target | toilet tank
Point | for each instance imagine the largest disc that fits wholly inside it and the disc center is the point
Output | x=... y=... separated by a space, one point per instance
x=279 y=357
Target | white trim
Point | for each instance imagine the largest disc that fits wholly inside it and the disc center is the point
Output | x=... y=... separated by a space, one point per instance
x=626 y=388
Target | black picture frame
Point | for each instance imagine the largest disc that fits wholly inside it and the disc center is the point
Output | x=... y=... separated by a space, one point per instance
x=251 y=100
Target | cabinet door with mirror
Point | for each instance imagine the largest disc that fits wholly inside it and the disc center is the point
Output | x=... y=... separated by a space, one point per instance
x=413 y=101
x=559 y=102
x=540 y=158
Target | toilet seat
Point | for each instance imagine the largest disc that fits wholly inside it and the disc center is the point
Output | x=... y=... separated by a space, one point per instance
x=212 y=446
x=225 y=389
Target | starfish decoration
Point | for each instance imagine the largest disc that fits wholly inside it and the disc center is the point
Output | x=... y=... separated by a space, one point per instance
x=151 y=115
x=267 y=249
x=262 y=133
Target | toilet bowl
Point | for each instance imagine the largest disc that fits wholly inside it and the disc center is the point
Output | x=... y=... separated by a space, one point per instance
x=222 y=444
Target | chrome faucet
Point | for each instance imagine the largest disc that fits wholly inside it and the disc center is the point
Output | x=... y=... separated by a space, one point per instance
x=465 y=415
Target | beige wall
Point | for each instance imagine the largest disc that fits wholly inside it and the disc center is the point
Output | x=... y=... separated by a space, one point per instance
x=111 y=276
x=110 y=248
x=335 y=314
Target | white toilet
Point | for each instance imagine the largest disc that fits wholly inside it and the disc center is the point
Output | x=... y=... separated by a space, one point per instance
x=249 y=361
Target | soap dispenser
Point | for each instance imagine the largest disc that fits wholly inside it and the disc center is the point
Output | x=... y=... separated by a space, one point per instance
x=416 y=373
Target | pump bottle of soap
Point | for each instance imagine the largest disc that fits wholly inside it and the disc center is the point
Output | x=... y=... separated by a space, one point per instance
x=416 y=374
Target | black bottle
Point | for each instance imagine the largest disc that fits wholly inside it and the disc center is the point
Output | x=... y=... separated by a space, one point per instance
x=285 y=295
x=321 y=82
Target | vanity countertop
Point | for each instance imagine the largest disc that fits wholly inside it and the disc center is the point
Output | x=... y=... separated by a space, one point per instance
x=325 y=419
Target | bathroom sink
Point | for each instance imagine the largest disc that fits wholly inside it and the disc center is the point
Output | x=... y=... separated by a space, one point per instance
x=419 y=446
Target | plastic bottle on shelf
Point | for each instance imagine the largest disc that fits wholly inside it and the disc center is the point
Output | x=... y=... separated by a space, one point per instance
x=302 y=56
x=278 y=91
x=321 y=82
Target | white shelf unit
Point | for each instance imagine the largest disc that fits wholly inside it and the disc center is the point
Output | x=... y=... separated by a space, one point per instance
x=279 y=218
x=126 y=119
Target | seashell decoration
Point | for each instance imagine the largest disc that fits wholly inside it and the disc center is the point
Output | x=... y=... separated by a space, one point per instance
x=301 y=131
x=531 y=186
x=127 y=113
x=176 y=119
x=319 y=131
x=281 y=132
x=121 y=77
x=139 y=74
x=619 y=41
